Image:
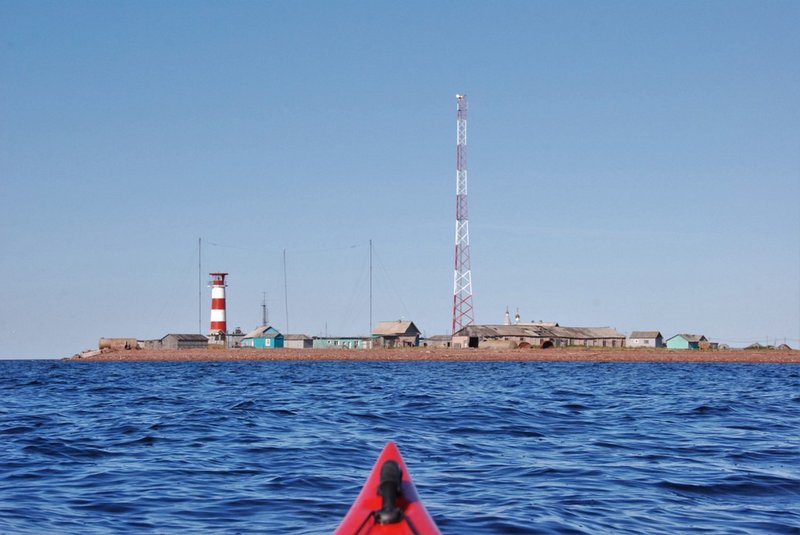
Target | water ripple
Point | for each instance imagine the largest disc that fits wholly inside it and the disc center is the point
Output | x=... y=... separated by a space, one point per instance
x=283 y=447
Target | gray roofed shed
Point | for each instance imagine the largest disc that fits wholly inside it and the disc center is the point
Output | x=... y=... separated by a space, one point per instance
x=184 y=341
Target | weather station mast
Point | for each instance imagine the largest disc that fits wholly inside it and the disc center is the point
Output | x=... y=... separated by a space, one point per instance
x=463 y=314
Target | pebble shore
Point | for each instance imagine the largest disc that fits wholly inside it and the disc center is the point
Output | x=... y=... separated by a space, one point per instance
x=448 y=354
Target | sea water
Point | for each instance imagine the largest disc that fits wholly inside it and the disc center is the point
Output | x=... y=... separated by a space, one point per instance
x=493 y=447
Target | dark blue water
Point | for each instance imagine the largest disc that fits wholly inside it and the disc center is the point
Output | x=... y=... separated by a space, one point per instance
x=284 y=447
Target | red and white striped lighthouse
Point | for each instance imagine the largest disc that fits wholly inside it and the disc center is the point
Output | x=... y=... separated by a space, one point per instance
x=218 y=325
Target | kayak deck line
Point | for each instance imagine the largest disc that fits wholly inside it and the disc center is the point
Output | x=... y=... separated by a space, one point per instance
x=388 y=502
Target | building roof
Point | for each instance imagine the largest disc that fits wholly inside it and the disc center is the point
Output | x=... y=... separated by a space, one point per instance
x=539 y=331
x=296 y=337
x=691 y=337
x=187 y=337
x=396 y=328
x=265 y=331
x=645 y=334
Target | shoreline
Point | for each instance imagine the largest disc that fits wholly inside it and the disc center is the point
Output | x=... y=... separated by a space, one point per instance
x=445 y=354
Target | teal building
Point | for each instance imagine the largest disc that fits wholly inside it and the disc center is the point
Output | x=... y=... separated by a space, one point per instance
x=686 y=341
x=264 y=337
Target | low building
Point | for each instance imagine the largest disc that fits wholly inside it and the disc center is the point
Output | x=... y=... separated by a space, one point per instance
x=645 y=339
x=536 y=335
x=297 y=341
x=264 y=337
x=235 y=338
x=118 y=343
x=184 y=341
x=398 y=333
x=687 y=341
x=439 y=340
x=339 y=342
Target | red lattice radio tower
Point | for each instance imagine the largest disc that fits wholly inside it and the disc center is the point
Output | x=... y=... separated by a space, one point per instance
x=462 y=278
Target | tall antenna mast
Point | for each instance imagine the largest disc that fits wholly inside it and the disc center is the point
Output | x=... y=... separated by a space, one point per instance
x=264 y=312
x=370 y=286
x=199 y=285
x=462 y=278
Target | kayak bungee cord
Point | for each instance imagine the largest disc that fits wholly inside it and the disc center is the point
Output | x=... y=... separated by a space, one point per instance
x=389 y=490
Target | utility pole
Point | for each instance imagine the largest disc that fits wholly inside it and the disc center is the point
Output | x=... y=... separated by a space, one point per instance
x=370 y=287
x=285 y=292
x=463 y=314
x=199 y=285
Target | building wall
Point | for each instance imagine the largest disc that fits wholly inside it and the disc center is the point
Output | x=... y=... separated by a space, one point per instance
x=171 y=342
x=678 y=342
x=436 y=342
x=396 y=341
x=298 y=344
x=514 y=341
x=263 y=342
x=341 y=343
x=118 y=343
x=645 y=342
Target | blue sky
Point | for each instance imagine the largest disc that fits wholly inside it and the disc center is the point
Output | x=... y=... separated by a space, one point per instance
x=631 y=164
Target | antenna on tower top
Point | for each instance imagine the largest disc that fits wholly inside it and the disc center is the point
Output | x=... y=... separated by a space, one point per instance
x=462 y=278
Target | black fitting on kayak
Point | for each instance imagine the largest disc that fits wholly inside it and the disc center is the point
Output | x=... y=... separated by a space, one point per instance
x=389 y=489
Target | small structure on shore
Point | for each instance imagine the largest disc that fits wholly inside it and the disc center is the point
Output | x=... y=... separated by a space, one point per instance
x=395 y=334
x=297 y=341
x=118 y=343
x=645 y=339
x=437 y=340
x=184 y=341
x=264 y=337
x=687 y=341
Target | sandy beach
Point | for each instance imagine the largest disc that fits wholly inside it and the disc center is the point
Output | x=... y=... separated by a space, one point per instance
x=448 y=354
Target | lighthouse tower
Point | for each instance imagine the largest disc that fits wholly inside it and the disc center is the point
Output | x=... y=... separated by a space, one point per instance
x=218 y=326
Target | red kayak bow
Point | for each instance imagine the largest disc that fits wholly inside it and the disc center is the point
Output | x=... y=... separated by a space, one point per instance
x=388 y=502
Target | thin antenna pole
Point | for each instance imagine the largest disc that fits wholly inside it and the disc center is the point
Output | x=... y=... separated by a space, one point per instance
x=370 y=287
x=285 y=292
x=200 y=285
x=264 y=318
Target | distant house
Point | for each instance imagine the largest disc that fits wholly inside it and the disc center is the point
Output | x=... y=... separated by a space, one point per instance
x=184 y=341
x=341 y=342
x=687 y=341
x=264 y=337
x=297 y=341
x=645 y=339
x=395 y=334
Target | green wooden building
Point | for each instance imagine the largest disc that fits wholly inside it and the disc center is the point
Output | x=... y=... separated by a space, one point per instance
x=686 y=341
